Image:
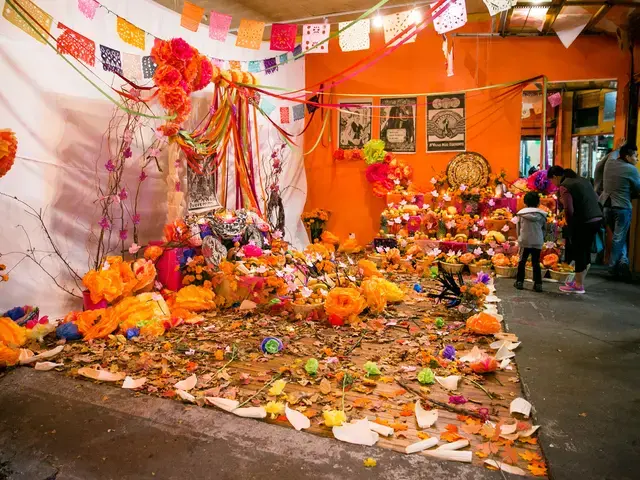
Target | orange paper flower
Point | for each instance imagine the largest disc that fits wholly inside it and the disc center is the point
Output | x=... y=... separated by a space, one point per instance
x=8 y=149
x=484 y=324
x=8 y=356
x=346 y=303
x=11 y=333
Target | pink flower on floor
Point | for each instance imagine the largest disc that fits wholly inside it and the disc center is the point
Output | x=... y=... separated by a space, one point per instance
x=457 y=400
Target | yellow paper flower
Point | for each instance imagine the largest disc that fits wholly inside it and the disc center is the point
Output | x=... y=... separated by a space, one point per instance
x=334 y=418
x=275 y=408
x=277 y=388
x=370 y=462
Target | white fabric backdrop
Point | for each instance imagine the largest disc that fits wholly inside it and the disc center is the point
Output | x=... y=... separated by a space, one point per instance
x=60 y=120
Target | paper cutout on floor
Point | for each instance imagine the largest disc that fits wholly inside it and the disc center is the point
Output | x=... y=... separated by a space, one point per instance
x=357 y=433
x=187 y=397
x=497 y=6
x=148 y=66
x=102 y=375
x=46 y=366
x=425 y=418
x=453 y=15
x=132 y=66
x=504 y=353
x=41 y=356
x=570 y=23
x=78 y=46
x=449 y=383
x=42 y=17
x=457 y=445
x=451 y=455
x=475 y=355
x=520 y=405
x=296 y=419
x=187 y=384
x=223 y=403
x=250 y=34
x=131 y=384
x=505 y=467
x=88 y=8
x=219 y=24
x=355 y=37
x=283 y=37
x=130 y=34
x=395 y=24
x=191 y=16
x=312 y=35
x=381 y=429
x=111 y=61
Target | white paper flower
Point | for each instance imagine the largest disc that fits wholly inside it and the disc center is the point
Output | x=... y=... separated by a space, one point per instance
x=446 y=197
x=106 y=265
x=390 y=205
x=409 y=257
x=492 y=202
x=491 y=252
x=405 y=217
x=515 y=220
x=477 y=252
x=474 y=228
x=261 y=269
x=505 y=229
x=426 y=206
x=433 y=180
x=379 y=249
x=397 y=220
x=508 y=195
x=306 y=292
x=396 y=181
x=451 y=253
x=277 y=234
x=403 y=202
x=463 y=187
x=292 y=287
x=481 y=223
x=451 y=224
x=484 y=232
x=435 y=194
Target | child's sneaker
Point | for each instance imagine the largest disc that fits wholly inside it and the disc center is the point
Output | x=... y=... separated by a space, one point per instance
x=537 y=288
x=519 y=285
x=572 y=288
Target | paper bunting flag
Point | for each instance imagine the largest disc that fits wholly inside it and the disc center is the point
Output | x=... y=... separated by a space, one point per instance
x=284 y=115
x=148 y=66
x=191 y=16
x=284 y=58
x=250 y=34
x=254 y=66
x=42 y=17
x=130 y=34
x=131 y=66
x=266 y=106
x=497 y=6
x=283 y=37
x=454 y=15
x=219 y=24
x=555 y=99
x=312 y=35
x=217 y=62
x=72 y=43
x=312 y=108
x=298 y=51
x=298 y=112
x=234 y=65
x=570 y=23
x=396 y=23
x=270 y=66
x=88 y=8
x=111 y=61
x=355 y=37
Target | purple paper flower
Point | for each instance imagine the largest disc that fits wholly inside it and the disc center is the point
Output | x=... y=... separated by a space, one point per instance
x=124 y=234
x=123 y=194
x=110 y=166
x=449 y=352
x=483 y=277
x=457 y=400
x=104 y=223
x=136 y=219
x=143 y=176
x=127 y=152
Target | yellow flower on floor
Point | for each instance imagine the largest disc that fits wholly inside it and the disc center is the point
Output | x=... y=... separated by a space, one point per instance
x=370 y=462
x=275 y=408
x=277 y=388
x=334 y=418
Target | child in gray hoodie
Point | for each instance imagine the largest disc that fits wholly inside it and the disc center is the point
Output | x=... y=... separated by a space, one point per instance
x=532 y=222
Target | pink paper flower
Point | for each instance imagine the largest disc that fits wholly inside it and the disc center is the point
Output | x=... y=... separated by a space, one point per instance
x=143 y=176
x=110 y=166
x=136 y=219
x=123 y=195
x=104 y=223
x=124 y=234
x=134 y=248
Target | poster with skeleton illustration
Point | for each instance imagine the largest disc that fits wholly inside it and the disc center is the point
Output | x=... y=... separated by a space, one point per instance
x=354 y=129
x=398 y=124
x=201 y=191
x=446 y=123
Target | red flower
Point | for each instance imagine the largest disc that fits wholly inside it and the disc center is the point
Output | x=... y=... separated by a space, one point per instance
x=335 y=320
x=173 y=99
x=378 y=172
x=357 y=155
x=388 y=157
x=204 y=74
x=338 y=154
x=181 y=49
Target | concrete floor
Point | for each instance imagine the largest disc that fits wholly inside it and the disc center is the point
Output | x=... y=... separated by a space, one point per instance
x=580 y=366
x=578 y=362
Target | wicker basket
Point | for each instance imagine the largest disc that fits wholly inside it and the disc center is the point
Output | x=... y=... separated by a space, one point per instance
x=376 y=258
x=561 y=277
x=451 y=267
x=506 y=272
x=475 y=269
x=528 y=273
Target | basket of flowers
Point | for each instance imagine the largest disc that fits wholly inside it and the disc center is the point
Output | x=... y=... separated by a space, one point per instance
x=480 y=265
x=528 y=272
x=467 y=258
x=505 y=266
x=309 y=299
x=561 y=272
x=452 y=264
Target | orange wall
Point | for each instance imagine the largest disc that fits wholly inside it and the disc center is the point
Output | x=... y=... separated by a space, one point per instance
x=493 y=121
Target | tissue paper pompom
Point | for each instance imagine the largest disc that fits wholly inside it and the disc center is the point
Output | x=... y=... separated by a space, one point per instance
x=484 y=324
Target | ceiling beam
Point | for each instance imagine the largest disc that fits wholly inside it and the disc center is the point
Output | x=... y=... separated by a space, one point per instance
x=599 y=15
x=552 y=14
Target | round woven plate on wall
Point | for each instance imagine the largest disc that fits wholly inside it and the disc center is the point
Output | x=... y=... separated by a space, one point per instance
x=468 y=168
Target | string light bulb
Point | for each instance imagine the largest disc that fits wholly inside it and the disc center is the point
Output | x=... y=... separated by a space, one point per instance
x=377 y=21
x=415 y=16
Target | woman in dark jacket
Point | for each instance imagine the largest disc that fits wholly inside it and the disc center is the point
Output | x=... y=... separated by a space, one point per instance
x=584 y=216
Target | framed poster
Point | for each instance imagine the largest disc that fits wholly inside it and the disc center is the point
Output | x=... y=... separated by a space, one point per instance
x=446 y=123
x=201 y=191
x=354 y=127
x=398 y=124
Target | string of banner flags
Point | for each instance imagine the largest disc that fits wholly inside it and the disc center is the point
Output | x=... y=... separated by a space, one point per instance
x=353 y=36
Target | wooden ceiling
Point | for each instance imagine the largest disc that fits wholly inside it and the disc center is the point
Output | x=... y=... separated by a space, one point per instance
x=527 y=18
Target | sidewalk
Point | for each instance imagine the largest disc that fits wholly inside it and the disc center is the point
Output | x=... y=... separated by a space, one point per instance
x=580 y=365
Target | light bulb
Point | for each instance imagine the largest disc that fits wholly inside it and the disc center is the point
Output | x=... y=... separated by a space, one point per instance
x=377 y=21
x=415 y=16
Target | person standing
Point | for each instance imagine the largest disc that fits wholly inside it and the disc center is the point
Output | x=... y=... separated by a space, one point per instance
x=584 y=216
x=532 y=223
x=621 y=185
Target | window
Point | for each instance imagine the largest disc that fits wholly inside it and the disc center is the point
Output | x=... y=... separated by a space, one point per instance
x=530 y=154
x=609 y=114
